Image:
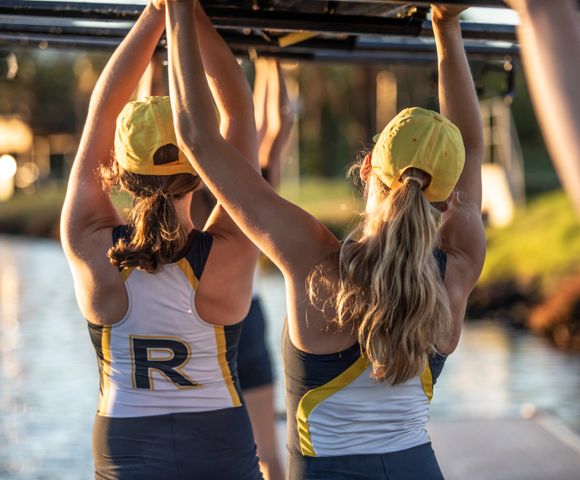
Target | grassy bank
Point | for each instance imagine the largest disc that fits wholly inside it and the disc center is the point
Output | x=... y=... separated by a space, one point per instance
x=335 y=202
x=543 y=243
x=38 y=214
x=531 y=275
x=34 y=215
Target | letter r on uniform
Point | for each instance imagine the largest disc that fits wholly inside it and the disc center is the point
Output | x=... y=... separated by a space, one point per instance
x=163 y=355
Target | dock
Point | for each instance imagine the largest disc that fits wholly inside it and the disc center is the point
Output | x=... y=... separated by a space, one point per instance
x=536 y=448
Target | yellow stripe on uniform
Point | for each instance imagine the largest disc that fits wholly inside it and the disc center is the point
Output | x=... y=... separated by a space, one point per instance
x=105 y=370
x=188 y=272
x=427 y=381
x=315 y=397
x=220 y=338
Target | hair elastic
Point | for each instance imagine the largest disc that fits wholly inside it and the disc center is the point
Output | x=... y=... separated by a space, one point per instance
x=414 y=179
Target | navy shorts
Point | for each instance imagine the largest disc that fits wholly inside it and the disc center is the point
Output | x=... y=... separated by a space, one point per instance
x=194 y=446
x=254 y=365
x=417 y=463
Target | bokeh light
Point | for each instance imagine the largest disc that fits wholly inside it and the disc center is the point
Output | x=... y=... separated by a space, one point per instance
x=8 y=167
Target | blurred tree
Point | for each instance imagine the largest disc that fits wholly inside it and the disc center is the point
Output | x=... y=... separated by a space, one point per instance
x=51 y=90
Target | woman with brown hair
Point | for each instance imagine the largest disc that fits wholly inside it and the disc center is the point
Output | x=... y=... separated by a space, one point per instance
x=370 y=320
x=163 y=299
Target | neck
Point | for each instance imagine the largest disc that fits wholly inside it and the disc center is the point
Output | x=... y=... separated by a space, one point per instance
x=182 y=206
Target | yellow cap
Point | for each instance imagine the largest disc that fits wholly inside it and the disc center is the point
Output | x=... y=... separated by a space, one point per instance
x=423 y=139
x=142 y=128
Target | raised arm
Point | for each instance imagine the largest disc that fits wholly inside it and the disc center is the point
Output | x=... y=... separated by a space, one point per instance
x=281 y=230
x=232 y=97
x=88 y=208
x=458 y=99
x=549 y=36
x=462 y=233
x=229 y=87
x=273 y=123
x=274 y=117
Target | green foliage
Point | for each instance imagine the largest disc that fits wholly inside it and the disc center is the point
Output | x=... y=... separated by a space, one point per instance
x=335 y=202
x=540 y=175
x=38 y=214
x=543 y=241
x=35 y=215
x=337 y=116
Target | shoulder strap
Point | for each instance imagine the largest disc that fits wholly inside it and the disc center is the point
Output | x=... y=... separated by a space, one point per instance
x=198 y=252
x=436 y=362
x=441 y=258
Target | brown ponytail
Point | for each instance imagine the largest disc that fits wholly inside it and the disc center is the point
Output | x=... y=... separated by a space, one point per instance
x=157 y=236
x=390 y=289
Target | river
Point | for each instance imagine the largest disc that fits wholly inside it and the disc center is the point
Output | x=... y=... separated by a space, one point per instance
x=49 y=378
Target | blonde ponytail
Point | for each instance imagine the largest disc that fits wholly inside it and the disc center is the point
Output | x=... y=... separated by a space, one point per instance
x=390 y=289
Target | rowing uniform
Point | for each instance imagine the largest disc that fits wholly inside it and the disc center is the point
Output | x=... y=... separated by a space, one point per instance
x=254 y=363
x=170 y=403
x=343 y=425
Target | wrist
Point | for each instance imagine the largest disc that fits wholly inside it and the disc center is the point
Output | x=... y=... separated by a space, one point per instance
x=443 y=20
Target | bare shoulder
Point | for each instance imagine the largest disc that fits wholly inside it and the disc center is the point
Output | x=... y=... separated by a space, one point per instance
x=312 y=323
x=462 y=237
x=463 y=240
x=99 y=287
x=225 y=288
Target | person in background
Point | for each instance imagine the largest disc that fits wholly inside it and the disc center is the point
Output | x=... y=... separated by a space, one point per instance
x=163 y=299
x=255 y=370
x=549 y=37
x=372 y=319
x=274 y=125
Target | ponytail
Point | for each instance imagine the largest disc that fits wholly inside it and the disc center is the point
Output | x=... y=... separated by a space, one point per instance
x=390 y=288
x=156 y=234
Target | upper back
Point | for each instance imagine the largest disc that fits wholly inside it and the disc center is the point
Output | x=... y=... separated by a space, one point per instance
x=162 y=357
x=336 y=407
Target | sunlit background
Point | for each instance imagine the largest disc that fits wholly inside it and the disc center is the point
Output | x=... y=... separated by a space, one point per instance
x=519 y=354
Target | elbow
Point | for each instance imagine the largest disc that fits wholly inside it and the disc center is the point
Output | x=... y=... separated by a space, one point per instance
x=190 y=138
x=475 y=150
x=196 y=145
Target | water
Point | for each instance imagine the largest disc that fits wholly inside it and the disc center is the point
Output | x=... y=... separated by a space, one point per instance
x=49 y=380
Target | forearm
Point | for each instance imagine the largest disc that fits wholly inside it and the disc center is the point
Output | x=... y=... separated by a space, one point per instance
x=457 y=96
x=279 y=124
x=195 y=118
x=86 y=203
x=226 y=79
x=458 y=101
x=549 y=36
x=126 y=66
x=260 y=95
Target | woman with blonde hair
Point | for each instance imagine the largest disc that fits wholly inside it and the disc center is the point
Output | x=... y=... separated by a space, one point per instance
x=255 y=369
x=372 y=319
x=163 y=299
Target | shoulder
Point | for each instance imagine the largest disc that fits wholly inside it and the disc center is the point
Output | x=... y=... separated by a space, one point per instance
x=463 y=240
